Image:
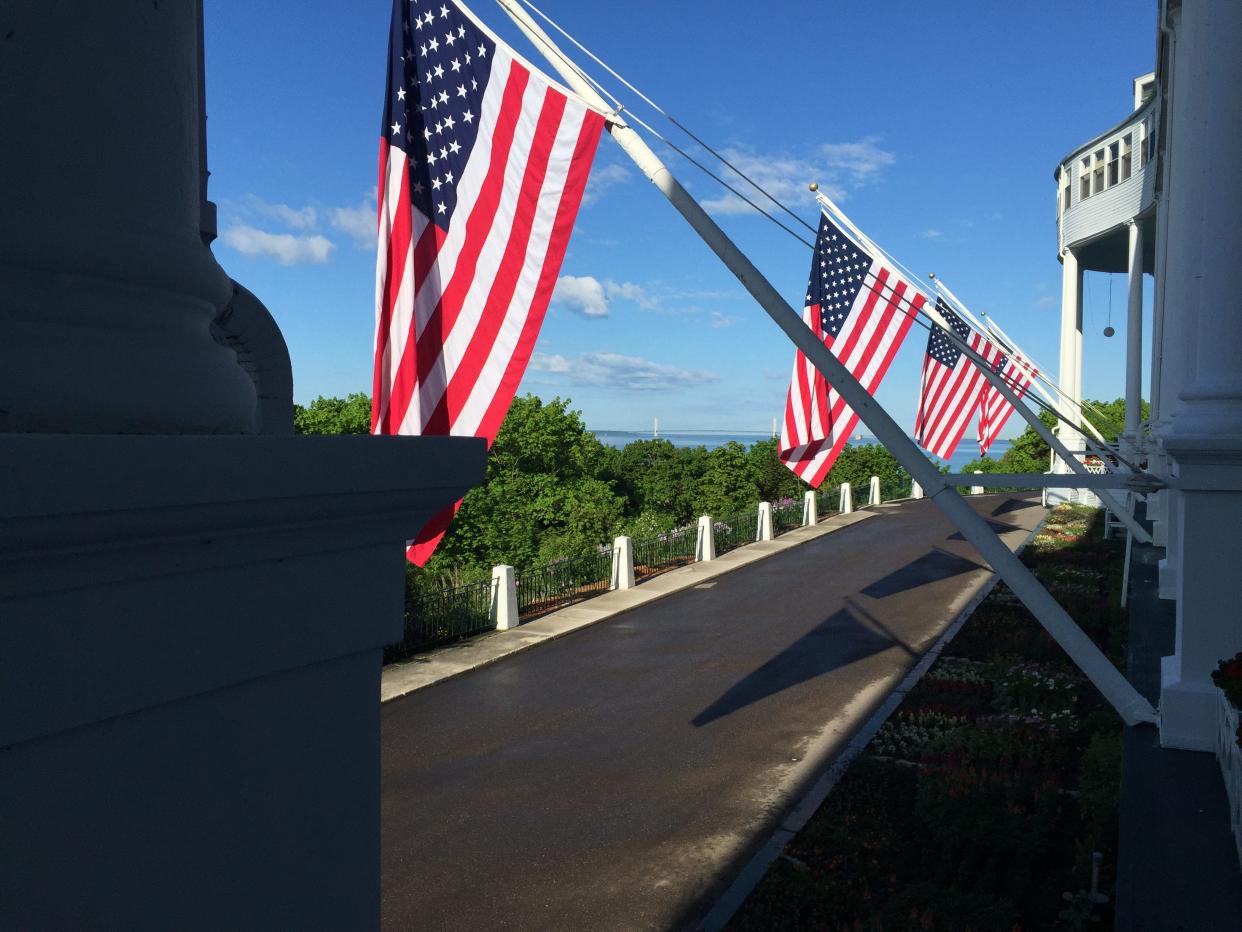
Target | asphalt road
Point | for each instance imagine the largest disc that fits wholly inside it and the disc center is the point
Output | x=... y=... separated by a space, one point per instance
x=618 y=778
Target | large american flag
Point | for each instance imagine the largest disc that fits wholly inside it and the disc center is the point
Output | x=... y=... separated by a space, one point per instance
x=952 y=384
x=994 y=409
x=482 y=166
x=862 y=310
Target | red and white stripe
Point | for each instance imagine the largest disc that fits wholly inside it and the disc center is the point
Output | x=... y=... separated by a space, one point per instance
x=818 y=422
x=949 y=397
x=994 y=409
x=458 y=309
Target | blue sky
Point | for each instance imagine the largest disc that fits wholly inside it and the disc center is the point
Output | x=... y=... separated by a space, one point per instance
x=938 y=127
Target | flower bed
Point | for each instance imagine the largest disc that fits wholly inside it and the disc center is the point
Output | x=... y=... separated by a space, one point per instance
x=980 y=802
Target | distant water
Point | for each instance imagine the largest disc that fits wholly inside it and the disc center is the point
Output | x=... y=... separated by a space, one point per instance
x=966 y=451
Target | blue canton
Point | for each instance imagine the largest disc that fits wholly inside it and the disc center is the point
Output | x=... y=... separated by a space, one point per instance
x=939 y=346
x=838 y=275
x=438 y=65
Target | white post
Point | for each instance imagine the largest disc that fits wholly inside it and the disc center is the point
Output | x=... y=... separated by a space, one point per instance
x=1134 y=339
x=1069 y=376
x=764 y=530
x=705 y=543
x=847 y=499
x=504 y=608
x=1129 y=703
x=810 y=509
x=873 y=493
x=916 y=490
x=977 y=489
x=622 y=563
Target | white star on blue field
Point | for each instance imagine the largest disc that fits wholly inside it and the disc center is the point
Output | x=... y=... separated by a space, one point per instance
x=937 y=127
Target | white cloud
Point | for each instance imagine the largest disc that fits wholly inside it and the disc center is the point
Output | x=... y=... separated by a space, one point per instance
x=625 y=373
x=357 y=222
x=931 y=233
x=285 y=248
x=838 y=167
x=582 y=294
x=602 y=178
x=719 y=320
x=590 y=297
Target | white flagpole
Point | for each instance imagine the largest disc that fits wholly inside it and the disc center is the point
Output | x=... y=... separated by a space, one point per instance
x=998 y=382
x=1129 y=703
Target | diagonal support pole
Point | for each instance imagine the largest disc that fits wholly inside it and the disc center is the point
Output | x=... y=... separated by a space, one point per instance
x=1129 y=703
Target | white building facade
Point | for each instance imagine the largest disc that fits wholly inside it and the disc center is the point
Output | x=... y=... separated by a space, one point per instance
x=1161 y=193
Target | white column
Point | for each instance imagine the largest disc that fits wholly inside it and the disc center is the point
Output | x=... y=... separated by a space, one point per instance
x=873 y=491
x=916 y=490
x=977 y=489
x=847 y=499
x=764 y=529
x=504 y=608
x=1204 y=442
x=1070 y=374
x=705 y=543
x=1134 y=337
x=113 y=335
x=810 y=509
x=622 y=563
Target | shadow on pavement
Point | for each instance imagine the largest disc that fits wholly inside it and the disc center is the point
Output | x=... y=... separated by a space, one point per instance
x=929 y=568
x=846 y=636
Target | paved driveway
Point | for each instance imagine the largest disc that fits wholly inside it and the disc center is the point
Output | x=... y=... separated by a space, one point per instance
x=619 y=777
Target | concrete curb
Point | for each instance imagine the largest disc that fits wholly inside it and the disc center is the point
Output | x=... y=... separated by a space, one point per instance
x=424 y=670
x=801 y=810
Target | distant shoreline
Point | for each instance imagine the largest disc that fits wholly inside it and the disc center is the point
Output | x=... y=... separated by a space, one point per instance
x=711 y=439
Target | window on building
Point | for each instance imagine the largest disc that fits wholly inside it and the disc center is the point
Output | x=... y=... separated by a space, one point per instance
x=1127 y=155
x=1145 y=139
x=1065 y=189
x=1097 y=172
x=1084 y=179
x=1112 y=174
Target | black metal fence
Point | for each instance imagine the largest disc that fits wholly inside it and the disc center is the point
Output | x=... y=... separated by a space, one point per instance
x=735 y=530
x=786 y=515
x=673 y=548
x=892 y=489
x=827 y=501
x=442 y=615
x=544 y=588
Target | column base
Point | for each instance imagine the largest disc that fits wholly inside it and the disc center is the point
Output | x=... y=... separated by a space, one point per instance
x=190 y=651
x=1187 y=709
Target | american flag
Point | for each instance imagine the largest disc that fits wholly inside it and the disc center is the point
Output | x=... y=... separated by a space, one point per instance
x=994 y=410
x=952 y=384
x=482 y=166
x=862 y=310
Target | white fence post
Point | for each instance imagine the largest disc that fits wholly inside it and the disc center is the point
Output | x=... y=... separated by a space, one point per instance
x=977 y=489
x=764 y=530
x=873 y=493
x=810 y=509
x=705 y=544
x=847 y=499
x=916 y=490
x=504 y=607
x=622 y=563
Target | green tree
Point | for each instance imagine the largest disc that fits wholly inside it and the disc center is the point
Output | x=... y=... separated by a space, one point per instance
x=547 y=495
x=1109 y=417
x=348 y=415
x=773 y=479
x=728 y=483
x=857 y=464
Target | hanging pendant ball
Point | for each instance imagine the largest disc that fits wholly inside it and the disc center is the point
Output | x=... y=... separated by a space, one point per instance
x=1109 y=331
x=814 y=186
